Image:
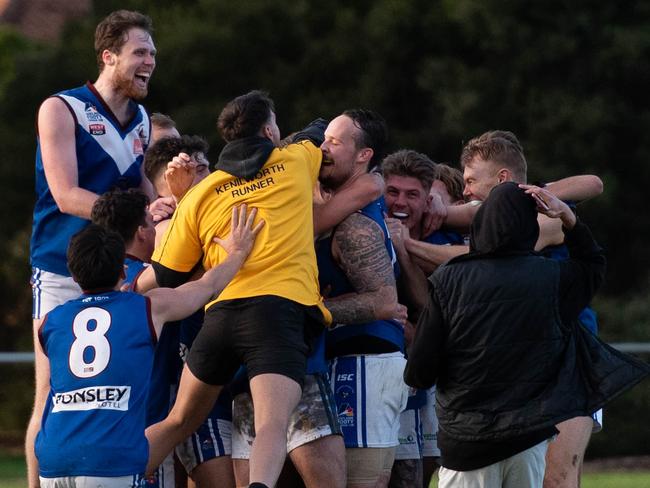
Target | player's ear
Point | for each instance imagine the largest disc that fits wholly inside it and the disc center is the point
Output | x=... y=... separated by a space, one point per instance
x=108 y=57
x=366 y=155
x=504 y=175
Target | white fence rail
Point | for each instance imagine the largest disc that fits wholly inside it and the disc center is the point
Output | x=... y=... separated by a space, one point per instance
x=28 y=357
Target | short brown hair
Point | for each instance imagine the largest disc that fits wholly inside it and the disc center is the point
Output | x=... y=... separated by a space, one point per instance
x=121 y=211
x=162 y=121
x=96 y=257
x=111 y=33
x=452 y=178
x=407 y=162
x=163 y=151
x=245 y=115
x=499 y=147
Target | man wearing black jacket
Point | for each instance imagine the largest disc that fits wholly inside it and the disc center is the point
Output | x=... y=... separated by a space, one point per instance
x=500 y=340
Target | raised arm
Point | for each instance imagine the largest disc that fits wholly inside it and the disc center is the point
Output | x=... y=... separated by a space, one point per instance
x=430 y=256
x=56 y=133
x=576 y=188
x=412 y=285
x=170 y=304
x=358 y=246
x=328 y=213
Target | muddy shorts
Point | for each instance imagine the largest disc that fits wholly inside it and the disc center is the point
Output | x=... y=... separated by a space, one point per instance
x=313 y=418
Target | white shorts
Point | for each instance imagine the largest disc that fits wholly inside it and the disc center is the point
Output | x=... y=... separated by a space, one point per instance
x=313 y=418
x=370 y=394
x=49 y=290
x=133 y=481
x=597 y=417
x=410 y=436
x=430 y=425
x=523 y=469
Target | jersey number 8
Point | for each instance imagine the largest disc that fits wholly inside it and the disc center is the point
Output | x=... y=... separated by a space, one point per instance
x=86 y=338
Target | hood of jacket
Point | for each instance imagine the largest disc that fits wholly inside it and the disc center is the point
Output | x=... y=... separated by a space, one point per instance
x=244 y=157
x=506 y=223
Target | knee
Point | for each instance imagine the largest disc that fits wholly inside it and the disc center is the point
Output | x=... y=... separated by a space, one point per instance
x=561 y=477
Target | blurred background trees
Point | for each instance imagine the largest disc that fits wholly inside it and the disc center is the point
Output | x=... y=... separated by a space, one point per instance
x=569 y=78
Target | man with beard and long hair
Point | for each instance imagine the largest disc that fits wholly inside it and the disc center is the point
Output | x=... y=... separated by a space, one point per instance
x=90 y=139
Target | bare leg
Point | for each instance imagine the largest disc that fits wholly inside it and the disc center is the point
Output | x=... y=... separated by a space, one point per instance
x=193 y=403
x=429 y=466
x=241 y=467
x=406 y=473
x=42 y=375
x=321 y=463
x=565 y=454
x=369 y=467
x=274 y=398
x=289 y=477
x=215 y=473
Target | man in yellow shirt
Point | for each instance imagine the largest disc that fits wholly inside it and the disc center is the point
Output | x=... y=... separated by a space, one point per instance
x=265 y=316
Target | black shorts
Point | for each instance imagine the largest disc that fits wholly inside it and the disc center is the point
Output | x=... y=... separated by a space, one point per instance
x=269 y=334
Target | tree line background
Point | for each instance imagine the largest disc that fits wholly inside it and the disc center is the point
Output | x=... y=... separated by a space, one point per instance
x=569 y=78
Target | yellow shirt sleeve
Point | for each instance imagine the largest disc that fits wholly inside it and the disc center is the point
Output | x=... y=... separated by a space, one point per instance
x=180 y=248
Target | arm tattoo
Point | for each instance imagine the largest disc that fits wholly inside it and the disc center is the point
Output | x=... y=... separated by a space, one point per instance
x=366 y=263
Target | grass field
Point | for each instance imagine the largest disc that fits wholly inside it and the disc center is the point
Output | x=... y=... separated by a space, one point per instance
x=12 y=475
x=612 y=479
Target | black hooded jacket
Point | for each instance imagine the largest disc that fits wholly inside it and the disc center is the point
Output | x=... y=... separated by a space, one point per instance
x=501 y=340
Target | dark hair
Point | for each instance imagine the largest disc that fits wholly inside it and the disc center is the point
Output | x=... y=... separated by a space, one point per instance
x=162 y=121
x=452 y=178
x=112 y=32
x=407 y=162
x=374 y=132
x=499 y=147
x=121 y=211
x=96 y=257
x=163 y=151
x=245 y=115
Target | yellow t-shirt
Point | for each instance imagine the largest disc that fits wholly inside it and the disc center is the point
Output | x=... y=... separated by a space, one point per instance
x=283 y=260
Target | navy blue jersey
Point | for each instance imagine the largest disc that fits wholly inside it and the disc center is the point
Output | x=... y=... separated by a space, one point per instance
x=331 y=277
x=109 y=156
x=444 y=237
x=100 y=349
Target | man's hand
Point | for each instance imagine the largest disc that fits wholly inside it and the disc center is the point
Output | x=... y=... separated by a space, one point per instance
x=180 y=174
x=550 y=205
x=242 y=233
x=434 y=216
x=399 y=234
x=162 y=208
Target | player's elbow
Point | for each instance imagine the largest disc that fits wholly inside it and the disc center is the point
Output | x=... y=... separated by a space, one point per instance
x=595 y=185
x=386 y=305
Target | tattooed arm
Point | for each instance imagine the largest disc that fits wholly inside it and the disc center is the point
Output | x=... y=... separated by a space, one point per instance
x=358 y=247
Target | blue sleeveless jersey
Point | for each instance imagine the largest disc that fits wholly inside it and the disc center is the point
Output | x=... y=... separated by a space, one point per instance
x=100 y=348
x=444 y=237
x=330 y=276
x=108 y=156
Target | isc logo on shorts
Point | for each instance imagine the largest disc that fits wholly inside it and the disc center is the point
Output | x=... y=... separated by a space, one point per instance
x=93 y=398
x=345 y=377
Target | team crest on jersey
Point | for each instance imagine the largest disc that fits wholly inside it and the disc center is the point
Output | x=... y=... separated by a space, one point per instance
x=97 y=129
x=92 y=114
x=138 y=147
x=139 y=142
